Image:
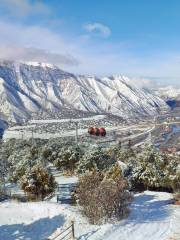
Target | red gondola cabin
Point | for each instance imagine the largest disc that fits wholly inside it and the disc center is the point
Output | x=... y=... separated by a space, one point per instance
x=97 y=131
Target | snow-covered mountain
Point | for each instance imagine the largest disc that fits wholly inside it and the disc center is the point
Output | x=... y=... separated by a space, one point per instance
x=169 y=92
x=27 y=88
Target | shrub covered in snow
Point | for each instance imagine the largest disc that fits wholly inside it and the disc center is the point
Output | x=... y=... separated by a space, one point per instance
x=125 y=155
x=173 y=174
x=3 y=173
x=68 y=157
x=115 y=172
x=103 y=197
x=153 y=170
x=144 y=169
x=21 y=155
x=22 y=161
x=38 y=182
x=149 y=168
x=95 y=158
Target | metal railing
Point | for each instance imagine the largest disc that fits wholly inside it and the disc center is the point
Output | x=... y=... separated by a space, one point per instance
x=65 y=234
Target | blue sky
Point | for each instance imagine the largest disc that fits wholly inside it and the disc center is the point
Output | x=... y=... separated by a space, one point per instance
x=136 y=38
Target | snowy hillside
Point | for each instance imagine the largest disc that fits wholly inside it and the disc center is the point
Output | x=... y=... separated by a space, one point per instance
x=151 y=218
x=169 y=92
x=26 y=88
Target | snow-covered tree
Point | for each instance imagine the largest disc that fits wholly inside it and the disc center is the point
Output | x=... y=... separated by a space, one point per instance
x=22 y=161
x=123 y=155
x=4 y=168
x=68 y=157
x=38 y=182
x=3 y=174
x=95 y=158
x=114 y=172
x=172 y=172
x=149 y=171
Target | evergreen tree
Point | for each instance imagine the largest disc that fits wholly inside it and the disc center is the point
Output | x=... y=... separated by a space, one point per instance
x=68 y=157
x=149 y=170
x=96 y=158
x=38 y=182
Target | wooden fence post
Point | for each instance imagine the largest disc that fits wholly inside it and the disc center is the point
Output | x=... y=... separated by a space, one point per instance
x=73 y=234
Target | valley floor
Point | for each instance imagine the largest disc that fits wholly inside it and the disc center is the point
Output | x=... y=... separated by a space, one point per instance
x=152 y=217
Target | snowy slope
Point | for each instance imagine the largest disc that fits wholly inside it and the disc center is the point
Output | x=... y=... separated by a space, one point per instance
x=169 y=92
x=151 y=218
x=117 y=96
x=26 y=88
x=29 y=221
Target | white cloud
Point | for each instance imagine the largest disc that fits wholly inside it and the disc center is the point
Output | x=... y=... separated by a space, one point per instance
x=21 y=8
x=100 y=28
x=143 y=82
x=74 y=54
x=36 y=43
x=18 y=53
x=31 y=37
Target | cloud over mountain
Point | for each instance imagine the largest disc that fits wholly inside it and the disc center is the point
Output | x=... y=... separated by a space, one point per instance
x=34 y=54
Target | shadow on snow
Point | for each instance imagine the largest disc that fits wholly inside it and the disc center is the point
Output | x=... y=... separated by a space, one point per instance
x=37 y=230
x=145 y=208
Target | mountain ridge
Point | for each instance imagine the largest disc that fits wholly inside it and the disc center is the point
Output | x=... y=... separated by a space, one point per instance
x=29 y=87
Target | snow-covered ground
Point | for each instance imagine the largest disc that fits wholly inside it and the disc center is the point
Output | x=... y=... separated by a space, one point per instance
x=151 y=218
x=97 y=117
x=30 y=221
x=11 y=133
x=28 y=134
x=25 y=132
